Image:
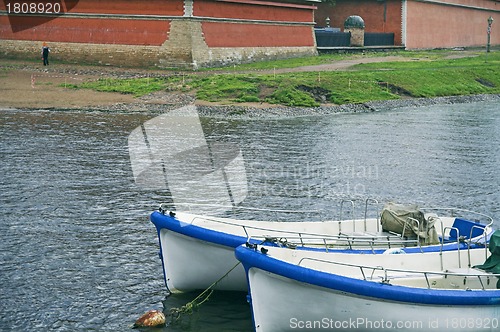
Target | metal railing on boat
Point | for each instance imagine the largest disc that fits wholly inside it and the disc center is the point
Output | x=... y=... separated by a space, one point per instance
x=342 y=239
x=407 y=273
x=367 y=203
x=303 y=239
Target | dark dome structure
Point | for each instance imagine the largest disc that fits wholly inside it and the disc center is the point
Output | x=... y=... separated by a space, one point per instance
x=354 y=21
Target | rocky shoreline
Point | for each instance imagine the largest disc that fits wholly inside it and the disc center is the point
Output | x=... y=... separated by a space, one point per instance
x=151 y=104
x=282 y=111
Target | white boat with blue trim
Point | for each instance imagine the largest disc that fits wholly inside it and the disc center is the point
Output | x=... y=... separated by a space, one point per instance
x=300 y=289
x=198 y=250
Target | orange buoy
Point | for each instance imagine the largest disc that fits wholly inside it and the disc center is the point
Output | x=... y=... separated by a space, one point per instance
x=151 y=318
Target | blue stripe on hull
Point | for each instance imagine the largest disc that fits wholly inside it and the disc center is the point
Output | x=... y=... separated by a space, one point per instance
x=378 y=291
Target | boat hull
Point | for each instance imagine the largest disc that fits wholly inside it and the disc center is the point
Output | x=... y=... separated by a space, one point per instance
x=197 y=251
x=191 y=264
x=286 y=296
x=283 y=304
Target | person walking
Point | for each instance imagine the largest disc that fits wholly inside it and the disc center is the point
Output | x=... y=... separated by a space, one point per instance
x=45 y=54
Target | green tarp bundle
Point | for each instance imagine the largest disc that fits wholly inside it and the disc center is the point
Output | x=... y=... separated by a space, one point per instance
x=492 y=263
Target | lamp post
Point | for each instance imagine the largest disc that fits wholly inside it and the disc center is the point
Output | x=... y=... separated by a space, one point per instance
x=490 y=21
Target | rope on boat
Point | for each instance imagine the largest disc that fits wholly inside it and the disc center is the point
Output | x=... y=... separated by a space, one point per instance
x=176 y=313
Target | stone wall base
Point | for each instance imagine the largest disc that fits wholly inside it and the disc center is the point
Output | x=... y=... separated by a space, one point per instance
x=185 y=48
x=147 y=56
x=222 y=56
x=90 y=54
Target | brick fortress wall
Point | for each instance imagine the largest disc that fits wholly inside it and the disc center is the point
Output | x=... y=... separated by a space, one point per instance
x=428 y=23
x=420 y=24
x=165 y=33
x=382 y=16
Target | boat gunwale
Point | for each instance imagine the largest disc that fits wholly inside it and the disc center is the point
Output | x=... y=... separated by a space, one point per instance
x=451 y=210
x=162 y=220
x=408 y=272
x=251 y=258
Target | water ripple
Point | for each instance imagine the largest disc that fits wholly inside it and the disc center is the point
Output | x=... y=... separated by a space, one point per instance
x=78 y=251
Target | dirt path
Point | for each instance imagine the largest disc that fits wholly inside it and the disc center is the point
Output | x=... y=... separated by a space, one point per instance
x=342 y=64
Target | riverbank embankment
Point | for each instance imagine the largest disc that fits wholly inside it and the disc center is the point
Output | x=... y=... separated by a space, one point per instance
x=31 y=86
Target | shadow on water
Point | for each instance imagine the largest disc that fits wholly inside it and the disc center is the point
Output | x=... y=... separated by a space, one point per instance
x=224 y=311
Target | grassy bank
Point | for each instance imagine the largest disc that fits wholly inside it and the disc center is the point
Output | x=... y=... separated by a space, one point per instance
x=418 y=74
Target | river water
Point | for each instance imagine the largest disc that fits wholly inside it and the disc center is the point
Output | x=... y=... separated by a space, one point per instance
x=79 y=254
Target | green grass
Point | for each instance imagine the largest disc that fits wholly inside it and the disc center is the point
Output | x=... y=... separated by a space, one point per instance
x=291 y=96
x=462 y=76
x=287 y=63
x=226 y=87
x=135 y=86
x=424 y=74
x=331 y=58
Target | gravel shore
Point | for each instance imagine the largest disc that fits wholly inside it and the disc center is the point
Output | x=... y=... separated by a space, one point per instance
x=160 y=102
x=256 y=112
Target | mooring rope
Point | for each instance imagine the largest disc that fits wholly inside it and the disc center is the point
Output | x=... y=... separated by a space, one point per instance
x=175 y=313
